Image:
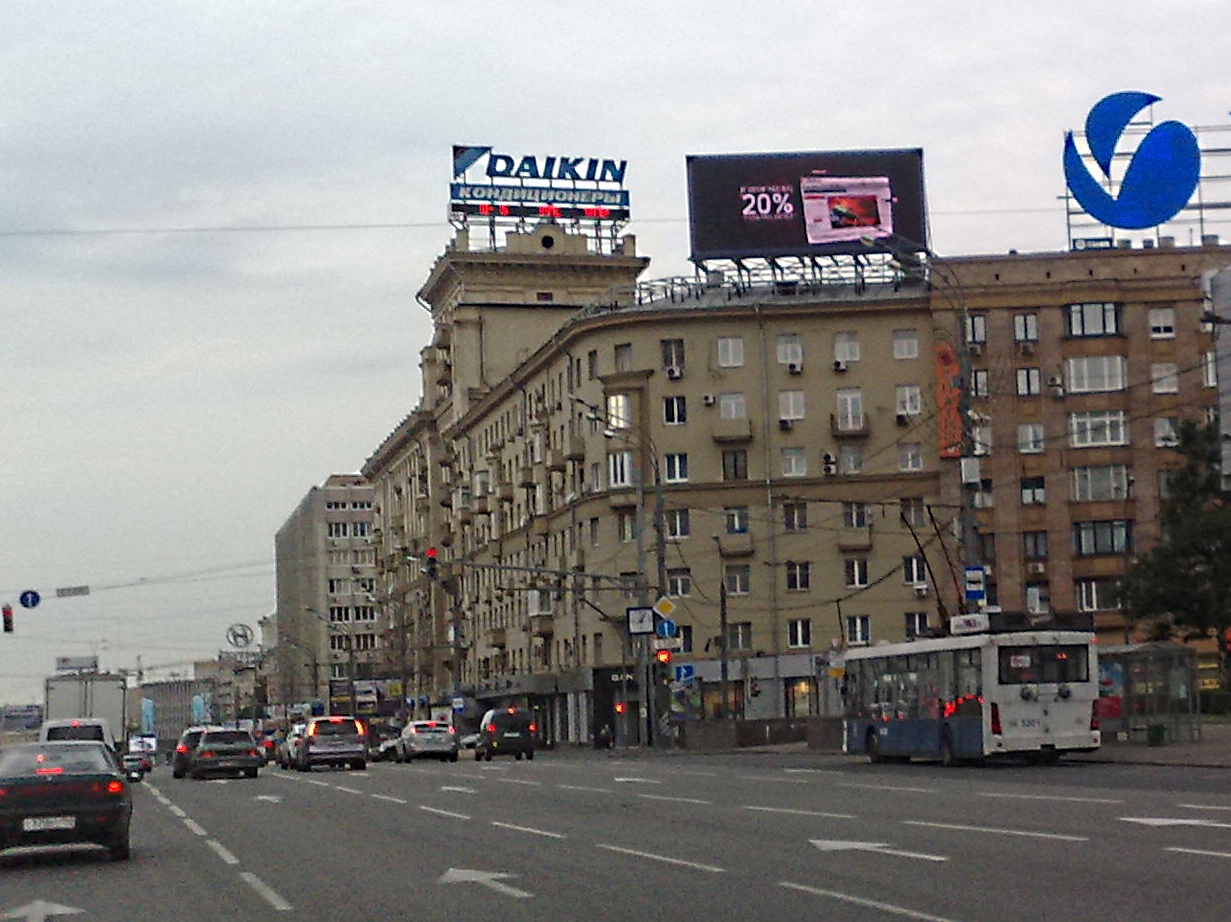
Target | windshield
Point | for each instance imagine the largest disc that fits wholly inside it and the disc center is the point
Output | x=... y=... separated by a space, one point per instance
x=1056 y=663
x=80 y=732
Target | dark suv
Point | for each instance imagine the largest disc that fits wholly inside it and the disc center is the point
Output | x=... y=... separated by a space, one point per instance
x=181 y=759
x=505 y=732
x=333 y=740
x=230 y=752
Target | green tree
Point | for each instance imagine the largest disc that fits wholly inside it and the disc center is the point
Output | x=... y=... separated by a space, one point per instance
x=1184 y=582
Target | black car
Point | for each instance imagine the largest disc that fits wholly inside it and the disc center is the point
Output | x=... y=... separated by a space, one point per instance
x=505 y=732
x=62 y=793
x=181 y=759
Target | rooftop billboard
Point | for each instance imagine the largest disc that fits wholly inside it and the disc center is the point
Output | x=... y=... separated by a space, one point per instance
x=803 y=204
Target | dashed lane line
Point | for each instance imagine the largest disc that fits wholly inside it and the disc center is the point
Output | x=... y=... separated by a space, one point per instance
x=863 y=901
x=530 y=829
x=1024 y=833
x=665 y=859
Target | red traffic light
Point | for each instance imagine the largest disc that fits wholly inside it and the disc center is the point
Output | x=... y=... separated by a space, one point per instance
x=429 y=563
x=8 y=619
x=663 y=656
x=431 y=553
x=620 y=707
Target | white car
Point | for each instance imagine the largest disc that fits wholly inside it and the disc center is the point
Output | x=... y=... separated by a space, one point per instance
x=427 y=739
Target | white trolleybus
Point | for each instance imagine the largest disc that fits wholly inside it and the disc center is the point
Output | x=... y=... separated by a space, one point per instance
x=1003 y=684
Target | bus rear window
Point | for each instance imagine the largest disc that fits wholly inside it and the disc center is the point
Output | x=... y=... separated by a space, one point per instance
x=1052 y=663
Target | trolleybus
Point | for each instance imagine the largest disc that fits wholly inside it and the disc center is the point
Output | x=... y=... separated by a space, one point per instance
x=1001 y=684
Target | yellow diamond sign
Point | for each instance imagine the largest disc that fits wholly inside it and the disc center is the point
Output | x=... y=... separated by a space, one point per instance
x=664 y=607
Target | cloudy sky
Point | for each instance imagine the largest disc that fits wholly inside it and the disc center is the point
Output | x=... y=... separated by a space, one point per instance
x=214 y=218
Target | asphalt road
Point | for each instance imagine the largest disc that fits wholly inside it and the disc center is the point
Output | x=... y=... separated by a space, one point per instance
x=587 y=837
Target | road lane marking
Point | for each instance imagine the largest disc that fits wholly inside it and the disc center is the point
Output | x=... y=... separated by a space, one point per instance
x=812 y=771
x=489 y=879
x=880 y=848
x=888 y=787
x=636 y=781
x=678 y=800
x=194 y=827
x=999 y=832
x=176 y=810
x=319 y=784
x=338 y=787
x=698 y=774
x=793 y=812
x=1173 y=821
x=393 y=800
x=221 y=851
x=1198 y=851
x=666 y=859
x=582 y=787
x=1202 y=807
x=518 y=781
x=530 y=829
x=766 y=778
x=456 y=816
x=1069 y=800
x=266 y=892
x=861 y=901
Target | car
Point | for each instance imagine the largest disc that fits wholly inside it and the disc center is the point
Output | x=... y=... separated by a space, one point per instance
x=78 y=728
x=181 y=759
x=468 y=741
x=338 y=740
x=137 y=761
x=225 y=751
x=287 y=750
x=427 y=739
x=57 y=793
x=505 y=731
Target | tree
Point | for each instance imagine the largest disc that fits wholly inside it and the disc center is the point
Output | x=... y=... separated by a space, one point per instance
x=1185 y=580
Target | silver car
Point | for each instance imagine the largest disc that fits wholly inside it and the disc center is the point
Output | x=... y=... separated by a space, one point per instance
x=337 y=740
x=427 y=739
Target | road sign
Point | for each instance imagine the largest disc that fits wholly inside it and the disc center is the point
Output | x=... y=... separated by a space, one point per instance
x=666 y=628
x=668 y=643
x=976 y=584
x=29 y=599
x=685 y=673
x=664 y=607
x=67 y=591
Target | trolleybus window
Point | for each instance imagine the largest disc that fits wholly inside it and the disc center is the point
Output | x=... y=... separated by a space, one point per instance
x=1058 y=663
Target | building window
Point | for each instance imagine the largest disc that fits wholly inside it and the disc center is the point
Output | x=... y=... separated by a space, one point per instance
x=912 y=511
x=739 y=635
x=910 y=456
x=798 y=575
x=908 y=400
x=339 y=613
x=673 y=353
x=1165 y=435
x=1104 y=482
x=858 y=630
x=850 y=459
x=794 y=516
x=1097 y=594
x=982 y=436
x=906 y=344
x=337 y=586
x=359 y=529
x=596 y=477
x=365 y=612
x=799 y=632
x=914 y=570
x=1038 y=598
x=1098 y=427
x=623 y=353
x=675 y=410
x=676 y=523
x=679 y=582
x=850 y=409
x=730 y=351
x=984 y=494
x=1209 y=369
x=794 y=462
x=791 y=405
x=1093 y=539
x=1034 y=491
x=976 y=329
x=1095 y=374
x=1026 y=328
x=735 y=464
x=1097 y=319
x=732 y=406
x=1034 y=545
x=738 y=578
x=856 y=572
x=916 y=624
x=737 y=520
x=337 y=529
x=846 y=347
x=675 y=467
x=1029 y=382
x=620 y=469
x=790 y=349
x=626 y=526
x=592 y=364
x=980 y=383
x=1030 y=438
x=1164 y=378
x=856 y=515
x=1162 y=323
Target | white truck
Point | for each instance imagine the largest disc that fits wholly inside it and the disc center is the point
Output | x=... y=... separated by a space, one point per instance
x=90 y=695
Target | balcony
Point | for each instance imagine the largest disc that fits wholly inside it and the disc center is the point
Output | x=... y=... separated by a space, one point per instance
x=848 y=427
x=540 y=527
x=622 y=498
x=732 y=430
x=736 y=545
x=525 y=476
x=556 y=460
x=576 y=448
x=482 y=505
x=504 y=492
x=855 y=539
x=542 y=625
x=496 y=638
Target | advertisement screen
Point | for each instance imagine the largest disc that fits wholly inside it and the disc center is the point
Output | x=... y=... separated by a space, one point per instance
x=764 y=205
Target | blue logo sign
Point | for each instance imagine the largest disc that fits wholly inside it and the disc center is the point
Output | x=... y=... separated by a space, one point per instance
x=1161 y=176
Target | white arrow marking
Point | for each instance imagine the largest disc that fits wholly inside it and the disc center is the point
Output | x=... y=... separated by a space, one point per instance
x=270 y=798
x=881 y=848
x=490 y=879
x=39 y=910
x=1173 y=821
x=460 y=790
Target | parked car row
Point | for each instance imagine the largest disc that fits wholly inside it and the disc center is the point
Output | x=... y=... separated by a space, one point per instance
x=503 y=731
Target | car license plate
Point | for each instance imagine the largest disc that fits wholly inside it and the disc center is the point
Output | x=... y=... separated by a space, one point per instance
x=512 y=736
x=43 y=823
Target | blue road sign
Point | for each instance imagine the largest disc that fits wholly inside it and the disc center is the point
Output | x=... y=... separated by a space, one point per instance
x=666 y=628
x=29 y=599
x=686 y=672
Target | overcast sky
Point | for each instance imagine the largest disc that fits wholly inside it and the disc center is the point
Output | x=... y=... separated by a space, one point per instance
x=214 y=217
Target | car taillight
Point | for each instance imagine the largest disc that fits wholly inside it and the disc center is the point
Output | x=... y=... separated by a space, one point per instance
x=207 y=754
x=359 y=727
x=181 y=748
x=115 y=787
x=491 y=728
x=1094 y=725
x=254 y=752
x=532 y=728
x=996 y=719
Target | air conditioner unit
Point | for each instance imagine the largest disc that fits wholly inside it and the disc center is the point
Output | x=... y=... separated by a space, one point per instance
x=794 y=368
x=675 y=372
x=785 y=424
x=1037 y=568
x=839 y=366
x=1026 y=347
x=1056 y=381
x=921 y=590
x=707 y=399
x=975 y=348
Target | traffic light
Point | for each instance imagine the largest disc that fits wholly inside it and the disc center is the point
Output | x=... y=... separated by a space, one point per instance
x=8 y=619
x=663 y=656
x=429 y=563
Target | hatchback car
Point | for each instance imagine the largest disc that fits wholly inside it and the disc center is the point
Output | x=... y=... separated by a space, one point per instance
x=181 y=759
x=505 y=732
x=336 y=740
x=287 y=751
x=61 y=793
x=225 y=752
x=427 y=739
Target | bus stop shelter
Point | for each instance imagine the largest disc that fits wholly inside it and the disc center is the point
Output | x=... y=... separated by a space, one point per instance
x=1148 y=693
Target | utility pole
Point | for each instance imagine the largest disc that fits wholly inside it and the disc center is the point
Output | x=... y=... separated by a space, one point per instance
x=725 y=666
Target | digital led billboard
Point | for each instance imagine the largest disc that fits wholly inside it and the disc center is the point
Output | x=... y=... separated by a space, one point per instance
x=821 y=203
